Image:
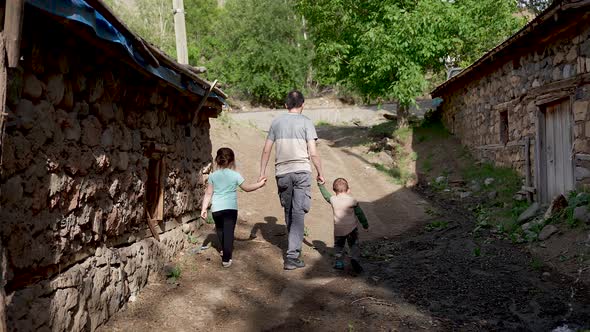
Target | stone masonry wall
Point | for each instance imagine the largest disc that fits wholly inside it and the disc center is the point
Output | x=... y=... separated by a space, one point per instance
x=472 y=111
x=74 y=178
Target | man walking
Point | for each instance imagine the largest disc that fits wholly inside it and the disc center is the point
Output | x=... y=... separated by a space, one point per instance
x=295 y=138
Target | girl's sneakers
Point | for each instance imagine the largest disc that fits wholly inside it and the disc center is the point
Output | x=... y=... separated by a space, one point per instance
x=226 y=264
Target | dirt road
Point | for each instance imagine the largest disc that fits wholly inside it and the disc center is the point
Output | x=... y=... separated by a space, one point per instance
x=414 y=279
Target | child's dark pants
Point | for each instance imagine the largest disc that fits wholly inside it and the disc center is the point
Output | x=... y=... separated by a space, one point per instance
x=353 y=243
x=225 y=223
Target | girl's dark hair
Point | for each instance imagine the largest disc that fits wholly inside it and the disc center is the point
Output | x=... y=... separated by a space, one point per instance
x=225 y=157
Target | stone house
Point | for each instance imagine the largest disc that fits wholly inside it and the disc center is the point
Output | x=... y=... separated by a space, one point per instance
x=525 y=103
x=104 y=157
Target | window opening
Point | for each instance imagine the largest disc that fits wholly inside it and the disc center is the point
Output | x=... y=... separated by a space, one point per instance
x=504 y=127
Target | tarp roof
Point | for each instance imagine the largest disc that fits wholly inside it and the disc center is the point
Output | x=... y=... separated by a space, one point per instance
x=98 y=17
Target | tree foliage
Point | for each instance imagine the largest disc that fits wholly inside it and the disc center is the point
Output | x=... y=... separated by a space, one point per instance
x=201 y=29
x=151 y=19
x=385 y=48
x=378 y=49
x=256 y=49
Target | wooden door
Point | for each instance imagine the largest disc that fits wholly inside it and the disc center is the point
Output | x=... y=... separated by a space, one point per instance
x=557 y=150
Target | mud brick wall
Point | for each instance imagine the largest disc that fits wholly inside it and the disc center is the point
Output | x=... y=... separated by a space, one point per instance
x=472 y=109
x=74 y=178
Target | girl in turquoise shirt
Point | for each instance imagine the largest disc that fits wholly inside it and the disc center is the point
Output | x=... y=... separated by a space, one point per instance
x=221 y=192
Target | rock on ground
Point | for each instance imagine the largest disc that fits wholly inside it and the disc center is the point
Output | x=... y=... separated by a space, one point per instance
x=558 y=204
x=547 y=232
x=582 y=214
x=529 y=213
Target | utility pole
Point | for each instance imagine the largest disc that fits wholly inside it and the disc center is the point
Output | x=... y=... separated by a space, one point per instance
x=180 y=31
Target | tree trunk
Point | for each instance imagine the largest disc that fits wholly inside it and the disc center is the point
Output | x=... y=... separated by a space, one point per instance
x=402 y=115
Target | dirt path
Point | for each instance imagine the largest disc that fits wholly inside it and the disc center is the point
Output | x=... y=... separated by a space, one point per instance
x=414 y=280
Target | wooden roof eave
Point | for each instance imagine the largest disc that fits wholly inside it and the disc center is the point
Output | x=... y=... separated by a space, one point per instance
x=489 y=57
x=155 y=56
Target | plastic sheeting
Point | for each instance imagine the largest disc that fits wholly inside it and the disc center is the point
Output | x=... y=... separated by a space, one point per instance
x=80 y=11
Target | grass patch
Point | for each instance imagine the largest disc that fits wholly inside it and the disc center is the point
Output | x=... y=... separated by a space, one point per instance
x=427 y=163
x=322 y=123
x=437 y=225
x=192 y=239
x=174 y=273
x=384 y=129
x=225 y=119
x=398 y=175
x=575 y=200
x=403 y=134
x=477 y=252
x=536 y=264
x=428 y=130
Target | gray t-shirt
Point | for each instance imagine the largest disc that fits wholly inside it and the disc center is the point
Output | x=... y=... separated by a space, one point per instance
x=291 y=132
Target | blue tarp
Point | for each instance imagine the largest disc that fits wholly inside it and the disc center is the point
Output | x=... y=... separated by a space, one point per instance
x=81 y=11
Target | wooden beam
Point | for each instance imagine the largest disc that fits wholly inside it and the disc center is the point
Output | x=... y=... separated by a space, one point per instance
x=13 y=23
x=151 y=224
x=3 y=88
x=552 y=97
x=527 y=164
x=576 y=4
x=204 y=100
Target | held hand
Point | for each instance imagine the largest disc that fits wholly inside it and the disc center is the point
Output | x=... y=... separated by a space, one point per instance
x=262 y=182
x=321 y=179
x=262 y=177
x=204 y=214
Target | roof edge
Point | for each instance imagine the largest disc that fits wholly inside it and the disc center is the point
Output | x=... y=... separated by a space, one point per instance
x=556 y=6
x=154 y=61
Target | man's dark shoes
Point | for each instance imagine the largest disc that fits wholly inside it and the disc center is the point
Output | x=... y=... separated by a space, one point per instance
x=292 y=264
x=356 y=266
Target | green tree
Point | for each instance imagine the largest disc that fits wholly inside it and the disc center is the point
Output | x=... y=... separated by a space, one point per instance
x=384 y=49
x=201 y=29
x=256 y=49
x=151 y=19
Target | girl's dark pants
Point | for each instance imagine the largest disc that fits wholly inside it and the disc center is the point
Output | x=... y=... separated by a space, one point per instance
x=225 y=223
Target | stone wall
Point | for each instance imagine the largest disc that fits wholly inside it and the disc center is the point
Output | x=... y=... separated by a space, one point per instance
x=73 y=184
x=473 y=109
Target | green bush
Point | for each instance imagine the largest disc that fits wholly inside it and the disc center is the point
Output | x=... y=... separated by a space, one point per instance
x=257 y=50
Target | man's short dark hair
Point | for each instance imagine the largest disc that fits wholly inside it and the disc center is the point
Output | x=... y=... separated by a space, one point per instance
x=294 y=99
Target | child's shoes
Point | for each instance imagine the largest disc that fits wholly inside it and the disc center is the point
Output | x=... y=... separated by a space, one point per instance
x=226 y=264
x=339 y=265
x=356 y=266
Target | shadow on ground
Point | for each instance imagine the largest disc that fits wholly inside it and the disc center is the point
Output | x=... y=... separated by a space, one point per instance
x=418 y=278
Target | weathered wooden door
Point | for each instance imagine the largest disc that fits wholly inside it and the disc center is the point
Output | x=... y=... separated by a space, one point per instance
x=557 y=150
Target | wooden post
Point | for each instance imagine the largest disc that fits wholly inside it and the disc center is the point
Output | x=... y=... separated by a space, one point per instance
x=527 y=158
x=13 y=22
x=3 y=88
x=180 y=31
x=204 y=100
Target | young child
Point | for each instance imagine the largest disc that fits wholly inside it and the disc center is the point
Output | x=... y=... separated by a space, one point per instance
x=221 y=192
x=347 y=215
